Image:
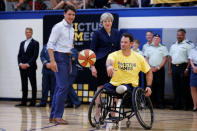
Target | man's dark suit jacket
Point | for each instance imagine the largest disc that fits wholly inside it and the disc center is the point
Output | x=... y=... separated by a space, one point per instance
x=31 y=54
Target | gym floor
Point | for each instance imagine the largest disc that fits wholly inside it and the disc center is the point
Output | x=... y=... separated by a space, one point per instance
x=36 y=119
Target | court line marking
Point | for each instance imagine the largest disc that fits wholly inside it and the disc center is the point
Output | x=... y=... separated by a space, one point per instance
x=42 y=128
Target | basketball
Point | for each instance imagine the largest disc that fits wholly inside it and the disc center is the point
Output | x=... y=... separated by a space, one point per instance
x=86 y=58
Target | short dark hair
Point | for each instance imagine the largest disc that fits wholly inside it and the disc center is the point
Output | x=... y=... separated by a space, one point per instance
x=128 y=36
x=150 y=32
x=69 y=7
x=181 y=30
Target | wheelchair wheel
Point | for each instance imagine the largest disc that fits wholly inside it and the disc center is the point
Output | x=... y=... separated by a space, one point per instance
x=98 y=109
x=143 y=108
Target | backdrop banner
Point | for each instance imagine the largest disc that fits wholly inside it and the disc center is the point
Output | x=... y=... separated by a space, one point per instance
x=84 y=26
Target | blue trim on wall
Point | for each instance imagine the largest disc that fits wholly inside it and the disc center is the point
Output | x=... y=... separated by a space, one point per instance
x=133 y=12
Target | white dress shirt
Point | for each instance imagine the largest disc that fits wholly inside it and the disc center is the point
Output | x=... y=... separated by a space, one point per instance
x=27 y=43
x=61 y=38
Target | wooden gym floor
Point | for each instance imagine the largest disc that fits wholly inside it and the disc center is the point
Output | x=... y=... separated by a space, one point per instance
x=36 y=119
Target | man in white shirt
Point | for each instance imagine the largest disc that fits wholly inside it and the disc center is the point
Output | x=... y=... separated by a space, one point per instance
x=59 y=47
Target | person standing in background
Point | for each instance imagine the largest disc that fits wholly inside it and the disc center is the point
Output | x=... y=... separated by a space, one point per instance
x=27 y=56
x=136 y=44
x=178 y=67
x=193 y=76
x=157 y=55
x=48 y=78
x=149 y=38
x=104 y=41
x=59 y=47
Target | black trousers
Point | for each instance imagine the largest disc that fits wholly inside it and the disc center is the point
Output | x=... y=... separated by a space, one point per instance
x=31 y=74
x=158 y=85
x=181 y=87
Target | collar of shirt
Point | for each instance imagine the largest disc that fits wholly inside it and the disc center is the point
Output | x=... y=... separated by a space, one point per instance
x=156 y=46
x=182 y=42
x=149 y=44
x=27 y=43
x=28 y=40
x=135 y=50
x=65 y=23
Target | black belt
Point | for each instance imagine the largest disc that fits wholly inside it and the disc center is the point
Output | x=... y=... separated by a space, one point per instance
x=69 y=54
x=182 y=64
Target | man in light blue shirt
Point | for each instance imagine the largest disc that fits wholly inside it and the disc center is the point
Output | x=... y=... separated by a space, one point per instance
x=149 y=38
x=59 y=47
x=156 y=56
x=179 y=69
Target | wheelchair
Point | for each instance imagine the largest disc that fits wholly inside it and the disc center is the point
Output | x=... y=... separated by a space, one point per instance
x=131 y=103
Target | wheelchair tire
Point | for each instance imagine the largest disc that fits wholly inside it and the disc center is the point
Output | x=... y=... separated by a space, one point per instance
x=143 y=108
x=103 y=113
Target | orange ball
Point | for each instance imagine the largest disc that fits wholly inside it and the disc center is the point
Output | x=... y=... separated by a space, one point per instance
x=86 y=58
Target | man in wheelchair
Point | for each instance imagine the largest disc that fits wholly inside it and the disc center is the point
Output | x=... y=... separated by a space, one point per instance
x=123 y=67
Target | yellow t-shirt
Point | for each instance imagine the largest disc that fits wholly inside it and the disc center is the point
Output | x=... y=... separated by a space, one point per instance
x=127 y=68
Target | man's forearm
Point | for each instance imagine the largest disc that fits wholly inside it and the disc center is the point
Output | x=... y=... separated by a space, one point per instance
x=188 y=65
x=169 y=63
x=149 y=78
x=51 y=55
x=109 y=62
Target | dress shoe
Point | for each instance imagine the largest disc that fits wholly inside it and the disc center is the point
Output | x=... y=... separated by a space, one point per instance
x=194 y=110
x=52 y=120
x=68 y=106
x=41 y=105
x=32 y=104
x=61 y=121
x=21 y=104
x=77 y=106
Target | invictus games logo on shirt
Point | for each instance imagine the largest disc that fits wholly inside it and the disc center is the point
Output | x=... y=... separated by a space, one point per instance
x=126 y=66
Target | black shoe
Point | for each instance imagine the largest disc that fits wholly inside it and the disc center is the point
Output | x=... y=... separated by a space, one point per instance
x=68 y=106
x=194 y=110
x=77 y=106
x=21 y=104
x=41 y=105
x=32 y=104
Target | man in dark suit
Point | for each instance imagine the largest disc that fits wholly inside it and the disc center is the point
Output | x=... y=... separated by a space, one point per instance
x=28 y=53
